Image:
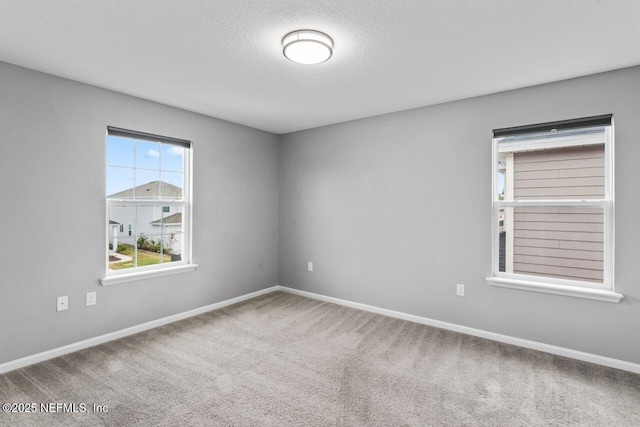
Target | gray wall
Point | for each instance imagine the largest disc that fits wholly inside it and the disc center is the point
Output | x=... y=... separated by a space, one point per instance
x=395 y=210
x=52 y=216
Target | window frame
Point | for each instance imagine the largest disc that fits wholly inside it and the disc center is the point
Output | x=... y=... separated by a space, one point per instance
x=576 y=288
x=112 y=277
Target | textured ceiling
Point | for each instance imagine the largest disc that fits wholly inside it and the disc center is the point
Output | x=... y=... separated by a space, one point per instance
x=223 y=58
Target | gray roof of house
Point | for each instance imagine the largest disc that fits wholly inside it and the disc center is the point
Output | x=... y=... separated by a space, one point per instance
x=150 y=190
x=174 y=219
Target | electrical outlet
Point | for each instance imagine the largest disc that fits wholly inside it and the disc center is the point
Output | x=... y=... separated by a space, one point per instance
x=63 y=303
x=91 y=298
x=310 y=266
x=460 y=290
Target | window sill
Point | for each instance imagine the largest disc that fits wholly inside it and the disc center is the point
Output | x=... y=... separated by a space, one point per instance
x=141 y=275
x=570 y=291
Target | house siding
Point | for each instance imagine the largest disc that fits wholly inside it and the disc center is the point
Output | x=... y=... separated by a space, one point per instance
x=566 y=242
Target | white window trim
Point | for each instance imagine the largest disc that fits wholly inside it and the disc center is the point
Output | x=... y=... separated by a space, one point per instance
x=141 y=275
x=573 y=288
x=557 y=289
x=157 y=270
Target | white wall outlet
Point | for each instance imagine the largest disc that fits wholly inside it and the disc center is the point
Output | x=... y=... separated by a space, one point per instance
x=460 y=290
x=63 y=303
x=91 y=298
x=310 y=266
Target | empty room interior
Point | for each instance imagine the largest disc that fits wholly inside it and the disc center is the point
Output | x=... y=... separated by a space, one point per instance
x=319 y=213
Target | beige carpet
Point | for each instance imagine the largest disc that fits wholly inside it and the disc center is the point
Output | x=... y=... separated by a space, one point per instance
x=285 y=360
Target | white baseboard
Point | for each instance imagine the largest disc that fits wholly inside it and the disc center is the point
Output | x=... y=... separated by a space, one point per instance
x=50 y=354
x=534 y=345
x=547 y=348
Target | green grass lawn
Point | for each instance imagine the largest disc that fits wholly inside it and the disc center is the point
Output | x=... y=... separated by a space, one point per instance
x=144 y=258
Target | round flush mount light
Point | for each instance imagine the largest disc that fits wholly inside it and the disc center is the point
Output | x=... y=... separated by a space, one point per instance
x=307 y=47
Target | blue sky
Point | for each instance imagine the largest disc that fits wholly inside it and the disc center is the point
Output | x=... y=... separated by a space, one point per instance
x=131 y=161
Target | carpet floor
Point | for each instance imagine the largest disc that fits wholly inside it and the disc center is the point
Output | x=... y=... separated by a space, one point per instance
x=285 y=360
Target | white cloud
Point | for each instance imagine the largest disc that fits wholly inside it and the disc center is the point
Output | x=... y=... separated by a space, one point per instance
x=175 y=151
x=153 y=153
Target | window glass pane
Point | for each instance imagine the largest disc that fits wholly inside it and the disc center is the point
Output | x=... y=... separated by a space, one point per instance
x=561 y=242
x=148 y=155
x=502 y=238
x=168 y=222
x=119 y=151
x=119 y=183
x=171 y=158
x=500 y=182
x=147 y=184
x=122 y=237
x=171 y=185
x=561 y=173
x=149 y=236
x=159 y=233
x=545 y=171
x=146 y=216
x=172 y=244
x=170 y=227
x=149 y=247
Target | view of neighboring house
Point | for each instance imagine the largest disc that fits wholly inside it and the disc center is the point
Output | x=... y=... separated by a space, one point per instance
x=129 y=223
x=565 y=242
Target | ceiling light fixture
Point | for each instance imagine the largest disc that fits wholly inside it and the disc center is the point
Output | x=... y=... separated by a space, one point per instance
x=307 y=47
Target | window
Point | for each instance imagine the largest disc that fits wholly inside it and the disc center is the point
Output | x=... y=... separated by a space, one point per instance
x=553 y=208
x=148 y=190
